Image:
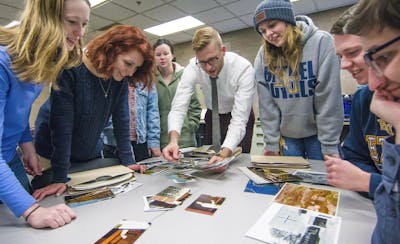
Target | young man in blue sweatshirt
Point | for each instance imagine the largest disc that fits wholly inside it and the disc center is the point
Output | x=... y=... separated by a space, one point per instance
x=360 y=169
x=378 y=24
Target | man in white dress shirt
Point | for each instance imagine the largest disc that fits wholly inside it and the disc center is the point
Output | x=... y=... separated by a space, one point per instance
x=236 y=88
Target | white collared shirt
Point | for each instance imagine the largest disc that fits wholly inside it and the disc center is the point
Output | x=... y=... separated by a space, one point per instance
x=236 y=88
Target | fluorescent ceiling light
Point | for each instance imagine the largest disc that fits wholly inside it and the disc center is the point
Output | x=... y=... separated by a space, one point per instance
x=174 y=26
x=95 y=2
x=12 y=24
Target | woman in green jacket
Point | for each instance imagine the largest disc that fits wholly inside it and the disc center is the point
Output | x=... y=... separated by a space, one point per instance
x=168 y=75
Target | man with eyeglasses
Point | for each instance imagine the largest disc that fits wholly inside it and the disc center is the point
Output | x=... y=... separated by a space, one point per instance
x=233 y=77
x=378 y=24
x=361 y=166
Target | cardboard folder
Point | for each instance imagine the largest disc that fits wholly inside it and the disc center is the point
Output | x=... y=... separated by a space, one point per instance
x=95 y=178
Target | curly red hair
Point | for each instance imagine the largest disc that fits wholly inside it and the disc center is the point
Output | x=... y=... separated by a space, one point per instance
x=104 y=49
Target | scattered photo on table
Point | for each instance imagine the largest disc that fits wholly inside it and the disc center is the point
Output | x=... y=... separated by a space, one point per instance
x=170 y=197
x=156 y=169
x=126 y=232
x=151 y=205
x=88 y=198
x=311 y=177
x=270 y=189
x=181 y=178
x=125 y=187
x=316 y=199
x=206 y=204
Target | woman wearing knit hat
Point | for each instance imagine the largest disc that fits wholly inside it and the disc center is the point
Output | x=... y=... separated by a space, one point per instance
x=298 y=84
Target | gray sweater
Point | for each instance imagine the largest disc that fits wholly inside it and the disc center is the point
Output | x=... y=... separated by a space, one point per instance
x=316 y=108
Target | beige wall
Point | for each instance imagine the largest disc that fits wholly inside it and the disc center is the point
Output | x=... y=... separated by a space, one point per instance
x=245 y=42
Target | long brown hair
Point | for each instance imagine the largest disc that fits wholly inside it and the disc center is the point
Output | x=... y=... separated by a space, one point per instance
x=104 y=49
x=278 y=59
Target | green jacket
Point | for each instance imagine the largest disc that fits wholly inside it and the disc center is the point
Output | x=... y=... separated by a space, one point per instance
x=165 y=95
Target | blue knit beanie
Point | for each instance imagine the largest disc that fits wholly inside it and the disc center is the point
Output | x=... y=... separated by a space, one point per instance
x=273 y=9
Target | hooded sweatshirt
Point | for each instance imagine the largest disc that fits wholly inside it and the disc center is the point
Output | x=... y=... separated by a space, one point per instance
x=316 y=108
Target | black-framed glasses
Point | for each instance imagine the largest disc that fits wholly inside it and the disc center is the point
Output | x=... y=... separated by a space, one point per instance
x=211 y=61
x=378 y=64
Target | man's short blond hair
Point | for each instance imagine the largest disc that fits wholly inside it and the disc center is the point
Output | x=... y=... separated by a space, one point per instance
x=204 y=36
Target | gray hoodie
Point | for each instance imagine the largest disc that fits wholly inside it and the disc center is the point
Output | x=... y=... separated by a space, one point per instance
x=316 y=108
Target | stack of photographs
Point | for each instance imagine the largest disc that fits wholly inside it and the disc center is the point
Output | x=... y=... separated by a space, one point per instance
x=168 y=198
x=262 y=175
x=199 y=160
x=155 y=165
x=93 y=196
x=281 y=162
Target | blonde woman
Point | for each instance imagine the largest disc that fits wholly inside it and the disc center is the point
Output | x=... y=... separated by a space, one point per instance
x=32 y=53
x=298 y=77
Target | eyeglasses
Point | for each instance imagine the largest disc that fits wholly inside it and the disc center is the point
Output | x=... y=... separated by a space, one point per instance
x=211 y=61
x=379 y=63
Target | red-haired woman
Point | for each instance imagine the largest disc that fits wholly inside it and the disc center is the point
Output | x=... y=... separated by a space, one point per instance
x=70 y=123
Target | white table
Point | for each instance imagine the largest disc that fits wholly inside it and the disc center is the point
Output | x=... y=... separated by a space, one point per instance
x=228 y=225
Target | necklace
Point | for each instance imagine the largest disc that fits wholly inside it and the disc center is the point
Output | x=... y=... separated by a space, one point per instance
x=104 y=90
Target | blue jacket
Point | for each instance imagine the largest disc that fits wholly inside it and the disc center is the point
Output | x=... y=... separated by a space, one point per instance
x=363 y=143
x=16 y=100
x=70 y=123
x=147 y=118
x=387 y=197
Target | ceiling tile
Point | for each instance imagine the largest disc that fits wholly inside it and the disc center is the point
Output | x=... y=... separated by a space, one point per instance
x=243 y=7
x=328 y=4
x=304 y=7
x=4 y=21
x=143 y=6
x=96 y=22
x=89 y=36
x=10 y=13
x=152 y=38
x=178 y=37
x=214 y=15
x=112 y=11
x=140 y=21
x=14 y=3
x=165 y=13
x=220 y=14
x=194 y=6
x=229 y=25
x=248 y=19
x=191 y=32
x=227 y=1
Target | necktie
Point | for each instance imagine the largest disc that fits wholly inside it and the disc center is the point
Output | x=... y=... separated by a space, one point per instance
x=216 y=132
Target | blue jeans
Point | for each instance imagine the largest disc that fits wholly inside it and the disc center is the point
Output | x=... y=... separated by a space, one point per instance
x=17 y=167
x=308 y=147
